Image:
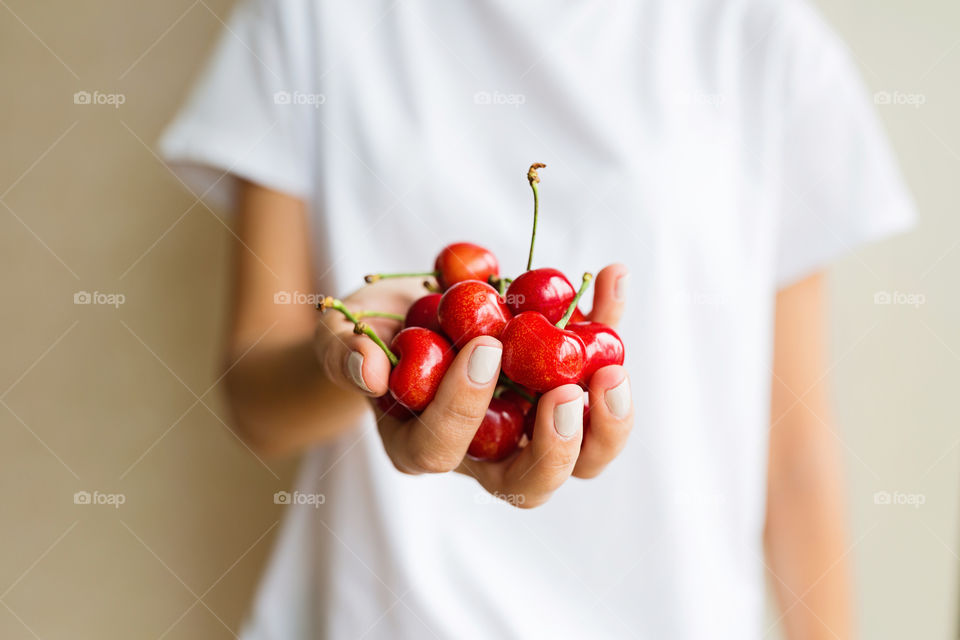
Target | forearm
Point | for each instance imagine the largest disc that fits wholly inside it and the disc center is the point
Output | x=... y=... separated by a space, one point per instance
x=806 y=542
x=282 y=400
x=806 y=532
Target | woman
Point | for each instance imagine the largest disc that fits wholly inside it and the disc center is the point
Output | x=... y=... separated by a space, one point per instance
x=721 y=151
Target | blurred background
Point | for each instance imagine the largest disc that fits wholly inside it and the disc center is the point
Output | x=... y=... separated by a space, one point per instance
x=130 y=510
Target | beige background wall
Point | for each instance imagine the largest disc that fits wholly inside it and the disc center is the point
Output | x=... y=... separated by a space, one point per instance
x=124 y=400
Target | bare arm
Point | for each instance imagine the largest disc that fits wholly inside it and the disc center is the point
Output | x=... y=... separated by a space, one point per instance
x=281 y=398
x=805 y=535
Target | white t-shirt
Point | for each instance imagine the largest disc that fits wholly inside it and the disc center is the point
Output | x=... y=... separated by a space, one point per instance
x=722 y=149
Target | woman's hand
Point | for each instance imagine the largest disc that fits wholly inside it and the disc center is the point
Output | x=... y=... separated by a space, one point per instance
x=436 y=441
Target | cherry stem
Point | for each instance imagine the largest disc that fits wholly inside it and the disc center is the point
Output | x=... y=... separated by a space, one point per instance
x=500 y=284
x=504 y=381
x=380 y=314
x=534 y=179
x=373 y=277
x=358 y=327
x=587 y=277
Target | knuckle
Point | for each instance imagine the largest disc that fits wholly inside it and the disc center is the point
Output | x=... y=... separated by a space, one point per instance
x=561 y=460
x=462 y=412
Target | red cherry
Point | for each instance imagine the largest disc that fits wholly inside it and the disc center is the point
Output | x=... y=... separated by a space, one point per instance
x=517 y=399
x=423 y=313
x=499 y=432
x=604 y=346
x=545 y=290
x=423 y=357
x=539 y=355
x=578 y=316
x=472 y=308
x=463 y=261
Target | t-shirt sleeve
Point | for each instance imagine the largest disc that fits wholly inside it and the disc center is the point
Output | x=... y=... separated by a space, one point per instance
x=840 y=183
x=249 y=114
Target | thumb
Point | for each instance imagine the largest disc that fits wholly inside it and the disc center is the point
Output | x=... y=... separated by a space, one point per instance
x=352 y=362
x=609 y=294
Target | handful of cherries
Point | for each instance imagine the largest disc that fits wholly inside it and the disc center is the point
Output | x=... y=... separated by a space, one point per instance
x=547 y=341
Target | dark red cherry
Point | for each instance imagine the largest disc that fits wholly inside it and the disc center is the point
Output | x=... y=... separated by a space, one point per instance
x=499 y=432
x=539 y=355
x=545 y=290
x=423 y=313
x=423 y=358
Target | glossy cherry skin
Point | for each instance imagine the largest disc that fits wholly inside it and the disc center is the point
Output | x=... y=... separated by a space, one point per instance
x=423 y=313
x=424 y=356
x=539 y=355
x=469 y=309
x=499 y=432
x=462 y=261
x=604 y=346
x=545 y=290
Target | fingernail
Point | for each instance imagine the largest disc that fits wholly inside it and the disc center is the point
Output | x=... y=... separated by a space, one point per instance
x=621 y=287
x=355 y=369
x=568 y=417
x=483 y=363
x=618 y=399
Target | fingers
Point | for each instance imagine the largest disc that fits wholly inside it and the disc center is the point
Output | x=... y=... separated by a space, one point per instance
x=352 y=362
x=437 y=440
x=356 y=363
x=611 y=419
x=530 y=478
x=609 y=294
